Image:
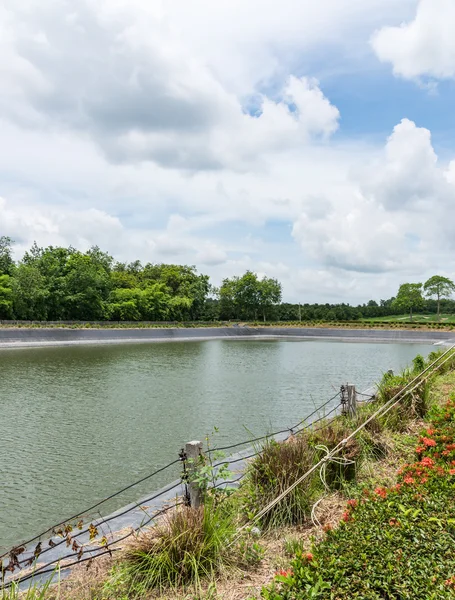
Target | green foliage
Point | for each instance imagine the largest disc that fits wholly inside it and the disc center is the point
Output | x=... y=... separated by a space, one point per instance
x=184 y=547
x=34 y=592
x=6 y=297
x=394 y=542
x=439 y=286
x=411 y=406
x=409 y=297
x=6 y=256
x=248 y=296
x=272 y=471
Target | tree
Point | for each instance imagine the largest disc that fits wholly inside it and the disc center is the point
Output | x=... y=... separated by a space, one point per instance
x=30 y=293
x=409 y=297
x=6 y=302
x=243 y=297
x=6 y=255
x=86 y=287
x=439 y=286
x=269 y=294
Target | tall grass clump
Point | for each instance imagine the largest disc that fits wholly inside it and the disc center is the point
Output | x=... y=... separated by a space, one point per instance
x=186 y=546
x=278 y=466
x=326 y=438
x=412 y=405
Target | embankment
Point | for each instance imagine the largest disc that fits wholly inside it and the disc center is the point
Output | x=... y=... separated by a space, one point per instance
x=20 y=337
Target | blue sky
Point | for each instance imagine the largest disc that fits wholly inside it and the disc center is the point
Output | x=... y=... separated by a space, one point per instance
x=312 y=142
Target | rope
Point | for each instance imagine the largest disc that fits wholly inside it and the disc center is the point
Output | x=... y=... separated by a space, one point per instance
x=79 y=514
x=258 y=439
x=99 y=552
x=108 y=519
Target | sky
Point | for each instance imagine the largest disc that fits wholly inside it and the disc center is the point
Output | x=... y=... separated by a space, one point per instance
x=309 y=141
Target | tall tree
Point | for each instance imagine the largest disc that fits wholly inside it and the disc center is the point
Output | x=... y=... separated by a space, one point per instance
x=30 y=293
x=243 y=297
x=86 y=287
x=6 y=301
x=439 y=286
x=6 y=255
x=409 y=297
x=269 y=294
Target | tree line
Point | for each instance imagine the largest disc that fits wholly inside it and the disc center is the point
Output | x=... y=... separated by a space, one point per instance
x=58 y=283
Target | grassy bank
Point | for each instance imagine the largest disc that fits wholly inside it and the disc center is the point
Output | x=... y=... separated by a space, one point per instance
x=379 y=323
x=376 y=523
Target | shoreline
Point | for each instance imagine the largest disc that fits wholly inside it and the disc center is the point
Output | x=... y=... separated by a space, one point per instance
x=51 y=337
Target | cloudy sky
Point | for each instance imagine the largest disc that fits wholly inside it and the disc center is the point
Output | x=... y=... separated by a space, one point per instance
x=309 y=141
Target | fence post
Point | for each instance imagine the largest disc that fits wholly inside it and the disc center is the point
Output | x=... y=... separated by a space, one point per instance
x=193 y=451
x=351 y=400
x=343 y=400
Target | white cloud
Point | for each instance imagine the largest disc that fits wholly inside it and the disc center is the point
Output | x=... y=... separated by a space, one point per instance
x=408 y=174
x=422 y=47
x=123 y=124
x=119 y=73
x=392 y=218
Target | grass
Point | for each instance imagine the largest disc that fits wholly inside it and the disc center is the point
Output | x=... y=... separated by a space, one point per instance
x=185 y=547
x=273 y=471
x=419 y=321
x=417 y=318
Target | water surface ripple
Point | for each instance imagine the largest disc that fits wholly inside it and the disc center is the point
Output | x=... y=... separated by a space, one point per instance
x=80 y=422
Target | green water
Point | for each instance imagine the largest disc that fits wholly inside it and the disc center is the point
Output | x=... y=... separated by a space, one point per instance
x=78 y=423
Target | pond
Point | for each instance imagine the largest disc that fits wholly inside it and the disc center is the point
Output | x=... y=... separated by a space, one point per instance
x=80 y=422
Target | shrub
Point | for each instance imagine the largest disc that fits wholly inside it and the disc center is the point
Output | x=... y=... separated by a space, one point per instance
x=184 y=547
x=278 y=466
x=328 y=436
x=394 y=542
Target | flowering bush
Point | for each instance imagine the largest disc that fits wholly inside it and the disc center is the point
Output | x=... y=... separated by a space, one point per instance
x=394 y=542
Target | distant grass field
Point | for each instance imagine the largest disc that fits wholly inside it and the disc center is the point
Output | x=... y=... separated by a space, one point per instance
x=417 y=318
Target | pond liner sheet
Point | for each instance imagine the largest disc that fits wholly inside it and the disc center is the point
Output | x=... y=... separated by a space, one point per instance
x=21 y=337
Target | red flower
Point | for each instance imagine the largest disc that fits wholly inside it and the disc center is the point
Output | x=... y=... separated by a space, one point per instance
x=452 y=471
x=431 y=431
x=394 y=523
x=409 y=479
x=427 y=461
x=309 y=556
x=284 y=573
x=346 y=517
x=428 y=442
x=381 y=492
x=352 y=503
x=419 y=449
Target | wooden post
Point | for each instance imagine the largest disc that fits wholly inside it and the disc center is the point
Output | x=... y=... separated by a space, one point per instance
x=351 y=400
x=343 y=400
x=193 y=452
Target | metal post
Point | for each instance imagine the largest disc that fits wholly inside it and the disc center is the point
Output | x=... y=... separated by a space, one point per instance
x=193 y=451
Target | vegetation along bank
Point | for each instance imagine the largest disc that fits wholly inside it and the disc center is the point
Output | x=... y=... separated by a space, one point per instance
x=361 y=505
x=65 y=284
